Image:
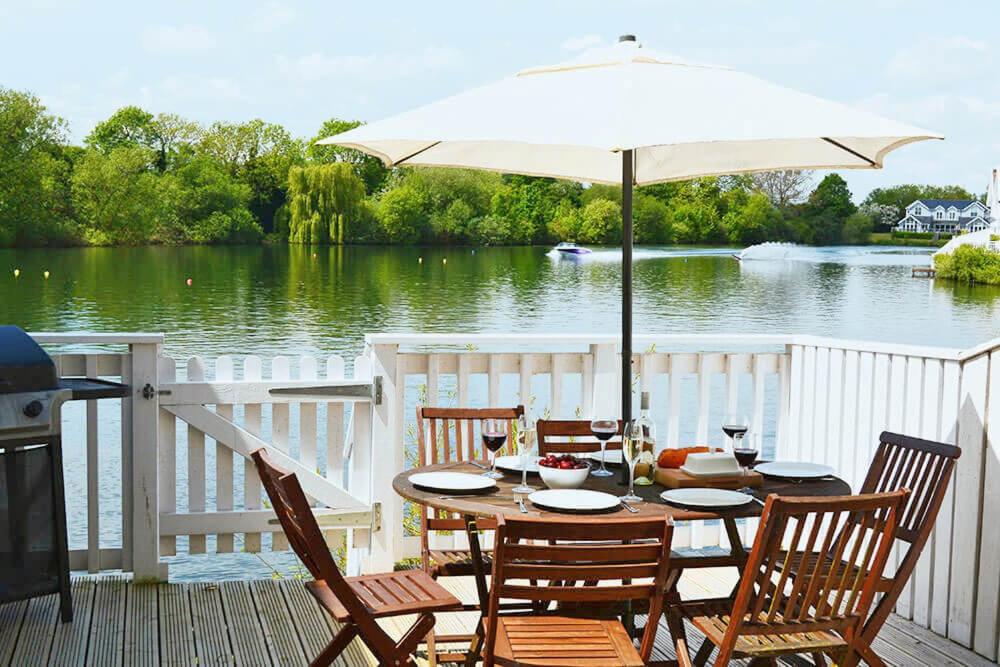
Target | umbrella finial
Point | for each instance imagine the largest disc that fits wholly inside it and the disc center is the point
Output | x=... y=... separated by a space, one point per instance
x=626 y=38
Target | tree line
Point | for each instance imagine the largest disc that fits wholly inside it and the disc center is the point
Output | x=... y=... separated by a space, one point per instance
x=144 y=178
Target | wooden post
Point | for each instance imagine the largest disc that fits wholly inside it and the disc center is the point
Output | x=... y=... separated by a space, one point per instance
x=145 y=536
x=607 y=379
x=387 y=444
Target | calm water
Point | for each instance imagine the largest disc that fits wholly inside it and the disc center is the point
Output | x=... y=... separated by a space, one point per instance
x=281 y=300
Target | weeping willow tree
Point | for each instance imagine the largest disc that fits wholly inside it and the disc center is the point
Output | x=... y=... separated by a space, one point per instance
x=324 y=202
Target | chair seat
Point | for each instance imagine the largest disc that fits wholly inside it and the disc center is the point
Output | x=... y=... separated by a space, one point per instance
x=884 y=584
x=456 y=563
x=527 y=641
x=390 y=594
x=712 y=618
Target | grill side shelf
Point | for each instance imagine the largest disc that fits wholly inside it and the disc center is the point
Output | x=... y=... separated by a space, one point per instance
x=91 y=389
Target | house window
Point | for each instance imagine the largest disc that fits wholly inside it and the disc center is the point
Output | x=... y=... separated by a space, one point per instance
x=952 y=215
x=939 y=215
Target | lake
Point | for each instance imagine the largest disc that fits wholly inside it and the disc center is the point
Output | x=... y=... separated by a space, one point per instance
x=294 y=300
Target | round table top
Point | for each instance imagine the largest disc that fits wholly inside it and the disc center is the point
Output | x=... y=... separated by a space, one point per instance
x=504 y=501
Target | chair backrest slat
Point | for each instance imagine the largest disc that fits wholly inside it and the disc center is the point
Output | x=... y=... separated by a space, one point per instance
x=304 y=535
x=806 y=535
x=570 y=436
x=565 y=561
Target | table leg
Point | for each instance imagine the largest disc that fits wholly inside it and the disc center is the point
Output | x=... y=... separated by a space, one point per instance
x=736 y=547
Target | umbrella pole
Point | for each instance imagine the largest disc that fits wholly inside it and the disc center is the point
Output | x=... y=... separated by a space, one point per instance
x=627 y=179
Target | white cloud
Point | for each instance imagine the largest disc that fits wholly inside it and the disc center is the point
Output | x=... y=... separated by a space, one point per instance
x=941 y=61
x=318 y=66
x=171 y=38
x=271 y=17
x=581 y=42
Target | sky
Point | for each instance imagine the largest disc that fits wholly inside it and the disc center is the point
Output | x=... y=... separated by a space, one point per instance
x=926 y=62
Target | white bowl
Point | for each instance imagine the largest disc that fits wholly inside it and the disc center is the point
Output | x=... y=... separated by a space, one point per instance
x=559 y=478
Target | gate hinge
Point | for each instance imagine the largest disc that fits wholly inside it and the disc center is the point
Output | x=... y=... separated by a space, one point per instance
x=149 y=391
x=376 y=517
x=377 y=398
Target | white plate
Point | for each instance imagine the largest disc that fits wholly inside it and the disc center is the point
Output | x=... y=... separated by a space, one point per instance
x=452 y=481
x=613 y=456
x=698 y=497
x=574 y=500
x=513 y=463
x=794 y=470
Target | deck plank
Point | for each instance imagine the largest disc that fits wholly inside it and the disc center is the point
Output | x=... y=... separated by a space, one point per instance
x=276 y=624
x=107 y=624
x=270 y=622
x=177 y=647
x=210 y=625
x=11 y=618
x=249 y=646
x=69 y=647
x=37 y=631
x=141 y=645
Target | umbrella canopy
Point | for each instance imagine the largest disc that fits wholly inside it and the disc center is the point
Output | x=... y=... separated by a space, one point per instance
x=625 y=114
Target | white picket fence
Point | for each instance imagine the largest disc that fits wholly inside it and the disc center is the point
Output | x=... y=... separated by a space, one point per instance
x=809 y=398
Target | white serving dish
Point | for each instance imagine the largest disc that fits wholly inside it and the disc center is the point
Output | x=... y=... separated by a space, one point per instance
x=794 y=470
x=711 y=464
x=460 y=482
x=559 y=478
x=574 y=500
x=513 y=463
x=698 y=497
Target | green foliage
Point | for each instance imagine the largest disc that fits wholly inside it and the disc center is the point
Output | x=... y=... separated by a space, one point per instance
x=821 y=220
x=34 y=173
x=325 y=204
x=402 y=214
x=566 y=221
x=601 y=222
x=858 y=229
x=696 y=220
x=368 y=168
x=651 y=221
x=918 y=235
x=118 y=198
x=969 y=264
x=756 y=220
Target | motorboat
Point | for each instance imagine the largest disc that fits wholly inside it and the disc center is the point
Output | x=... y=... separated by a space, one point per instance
x=567 y=248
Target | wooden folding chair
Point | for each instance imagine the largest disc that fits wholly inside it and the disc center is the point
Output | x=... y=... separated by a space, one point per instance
x=451 y=434
x=925 y=467
x=355 y=602
x=821 y=613
x=570 y=436
x=547 y=560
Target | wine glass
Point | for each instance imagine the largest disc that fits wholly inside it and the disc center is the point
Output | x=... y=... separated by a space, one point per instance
x=526 y=436
x=603 y=430
x=494 y=434
x=746 y=454
x=632 y=440
x=735 y=426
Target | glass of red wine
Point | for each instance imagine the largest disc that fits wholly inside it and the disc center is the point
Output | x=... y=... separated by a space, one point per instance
x=494 y=434
x=603 y=429
x=735 y=426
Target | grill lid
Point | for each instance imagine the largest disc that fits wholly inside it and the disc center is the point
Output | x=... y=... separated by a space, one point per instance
x=24 y=365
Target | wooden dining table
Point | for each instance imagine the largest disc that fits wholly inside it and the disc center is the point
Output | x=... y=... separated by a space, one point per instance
x=502 y=500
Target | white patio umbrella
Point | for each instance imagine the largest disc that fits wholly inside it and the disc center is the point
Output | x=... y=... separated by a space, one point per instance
x=625 y=114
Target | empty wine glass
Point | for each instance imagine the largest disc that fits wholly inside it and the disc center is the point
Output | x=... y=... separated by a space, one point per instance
x=632 y=440
x=526 y=438
x=603 y=429
x=494 y=434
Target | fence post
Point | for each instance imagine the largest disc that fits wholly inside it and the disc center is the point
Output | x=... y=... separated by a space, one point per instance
x=145 y=537
x=387 y=448
x=607 y=380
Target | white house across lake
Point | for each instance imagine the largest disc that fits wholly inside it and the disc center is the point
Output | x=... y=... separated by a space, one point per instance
x=947 y=216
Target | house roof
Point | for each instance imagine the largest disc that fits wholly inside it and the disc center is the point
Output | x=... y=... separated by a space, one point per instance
x=957 y=203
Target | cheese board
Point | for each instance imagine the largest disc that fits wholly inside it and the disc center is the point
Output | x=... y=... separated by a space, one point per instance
x=675 y=478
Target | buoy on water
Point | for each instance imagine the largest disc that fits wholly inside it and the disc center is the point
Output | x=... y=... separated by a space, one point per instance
x=444 y=261
x=46 y=274
x=420 y=260
x=189 y=282
x=17 y=272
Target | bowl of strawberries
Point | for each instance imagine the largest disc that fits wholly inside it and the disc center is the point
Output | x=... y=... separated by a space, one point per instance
x=563 y=472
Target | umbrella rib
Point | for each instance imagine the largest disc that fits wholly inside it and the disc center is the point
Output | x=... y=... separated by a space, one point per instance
x=853 y=152
x=416 y=153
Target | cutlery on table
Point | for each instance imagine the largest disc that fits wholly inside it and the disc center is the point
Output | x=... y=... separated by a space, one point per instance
x=749 y=491
x=520 y=503
x=629 y=507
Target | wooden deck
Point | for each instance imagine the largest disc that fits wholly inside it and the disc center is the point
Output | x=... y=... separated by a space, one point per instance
x=275 y=622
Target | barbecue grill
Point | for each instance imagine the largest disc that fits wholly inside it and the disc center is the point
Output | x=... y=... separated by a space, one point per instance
x=34 y=555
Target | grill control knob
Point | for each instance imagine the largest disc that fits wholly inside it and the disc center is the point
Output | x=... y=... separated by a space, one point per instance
x=33 y=409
